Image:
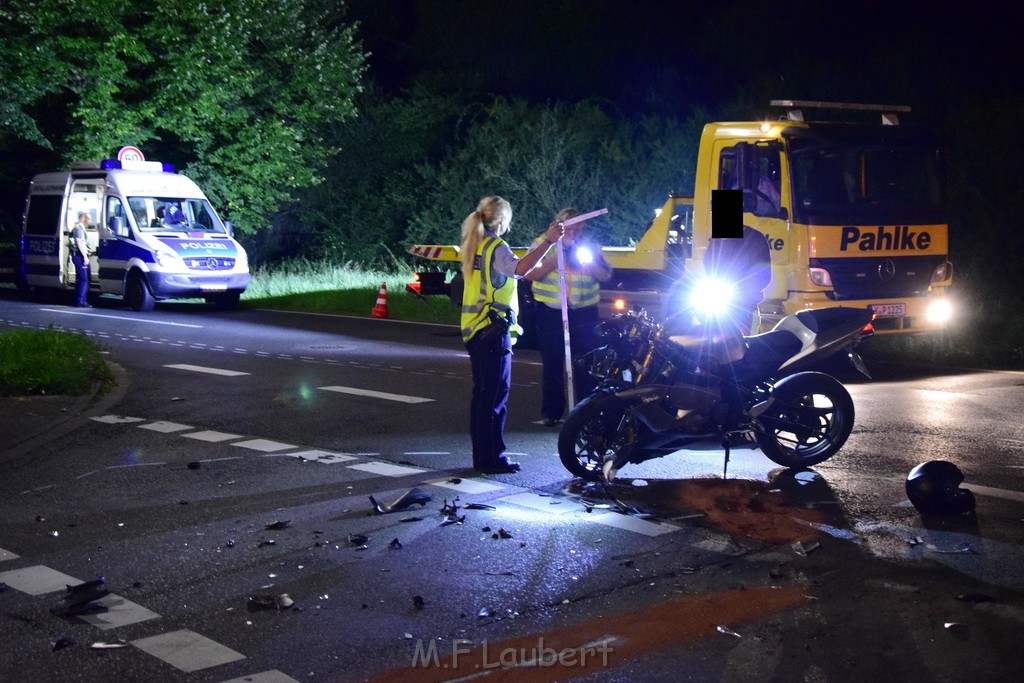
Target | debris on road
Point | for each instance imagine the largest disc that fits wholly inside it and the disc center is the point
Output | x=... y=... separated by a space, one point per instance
x=395 y=544
x=277 y=525
x=195 y=465
x=61 y=643
x=269 y=541
x=725 y=630
x=358 y=539
x=82 y=598
x=411 y=497
x=417 y=601
x=480 y=506
x=267 y=602
x=975 y=598
x=100 y=645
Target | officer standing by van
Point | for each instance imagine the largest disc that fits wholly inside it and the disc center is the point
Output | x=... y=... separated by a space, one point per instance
x=80 y=257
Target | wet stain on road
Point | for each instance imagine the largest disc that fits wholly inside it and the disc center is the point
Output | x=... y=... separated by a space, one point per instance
x=598 y=644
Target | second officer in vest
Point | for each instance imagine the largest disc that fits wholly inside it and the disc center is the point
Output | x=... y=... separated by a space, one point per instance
x=585 y=269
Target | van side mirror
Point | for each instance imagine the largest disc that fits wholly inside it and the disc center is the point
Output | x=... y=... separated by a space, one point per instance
x=118 y=227
x=229 y=228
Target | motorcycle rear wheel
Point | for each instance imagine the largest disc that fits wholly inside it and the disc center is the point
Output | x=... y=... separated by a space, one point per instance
x=590 y=432
x=808 y=422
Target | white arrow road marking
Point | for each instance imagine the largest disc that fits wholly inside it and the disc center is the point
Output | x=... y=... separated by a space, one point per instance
x=378 y=394
x=211 y=371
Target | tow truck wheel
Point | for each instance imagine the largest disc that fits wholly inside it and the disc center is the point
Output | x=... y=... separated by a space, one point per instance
x=137 y=294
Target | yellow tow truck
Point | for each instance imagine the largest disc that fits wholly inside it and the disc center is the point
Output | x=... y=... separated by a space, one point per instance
x=855 y=215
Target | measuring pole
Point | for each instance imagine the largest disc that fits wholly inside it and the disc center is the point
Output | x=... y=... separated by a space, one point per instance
x=569 y=385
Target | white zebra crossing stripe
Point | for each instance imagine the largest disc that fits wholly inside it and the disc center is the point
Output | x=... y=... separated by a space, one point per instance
x=264 y=445
x=272 y=676
x=467 y=486
x=206 y=370
x=325 y=457
x=377 y=394
x=641 y=526
x=117 y=419
x=212 y=436
x=165 y=427
x=387 y=469
x=187 y=650
x=549 y=504
x=38 y=580
x=119 y=612
x=7 y=555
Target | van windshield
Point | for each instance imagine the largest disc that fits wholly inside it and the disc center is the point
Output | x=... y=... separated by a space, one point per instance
x=173 y=214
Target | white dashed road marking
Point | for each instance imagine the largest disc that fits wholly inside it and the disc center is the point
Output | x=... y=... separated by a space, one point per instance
x=7 y=555
x=119 y=317
x=209 y=371
x=187 y=650
x=272 y=676
x=117 y=419
x=378 y=394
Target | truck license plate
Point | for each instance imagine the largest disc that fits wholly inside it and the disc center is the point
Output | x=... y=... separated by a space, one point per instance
x=214 y=288
x=889 y=310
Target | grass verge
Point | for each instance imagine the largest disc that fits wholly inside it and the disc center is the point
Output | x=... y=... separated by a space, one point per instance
x=50 y=362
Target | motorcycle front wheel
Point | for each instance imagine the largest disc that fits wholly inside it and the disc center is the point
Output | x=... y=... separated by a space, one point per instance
x=809 y=420
x=591 y=432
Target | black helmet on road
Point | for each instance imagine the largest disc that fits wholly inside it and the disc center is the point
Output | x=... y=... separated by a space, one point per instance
x=934 y=488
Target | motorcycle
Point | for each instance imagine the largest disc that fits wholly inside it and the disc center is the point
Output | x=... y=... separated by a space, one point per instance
x=660 y=391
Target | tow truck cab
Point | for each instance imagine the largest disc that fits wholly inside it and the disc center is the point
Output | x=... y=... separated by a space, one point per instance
x=153 y=235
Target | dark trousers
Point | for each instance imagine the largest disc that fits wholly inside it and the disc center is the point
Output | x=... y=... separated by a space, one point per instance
x=81 y=278
x=551 y=342
x=490 y=354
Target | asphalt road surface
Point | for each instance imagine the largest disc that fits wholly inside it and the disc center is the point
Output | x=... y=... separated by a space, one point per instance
x=223 y=494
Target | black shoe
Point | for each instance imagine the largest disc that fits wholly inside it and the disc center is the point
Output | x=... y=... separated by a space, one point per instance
x=503 y=466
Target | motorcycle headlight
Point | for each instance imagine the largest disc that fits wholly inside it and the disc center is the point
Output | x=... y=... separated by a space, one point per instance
x=712 y=296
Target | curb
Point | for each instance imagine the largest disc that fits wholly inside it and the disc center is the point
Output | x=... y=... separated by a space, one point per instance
x=85 y=407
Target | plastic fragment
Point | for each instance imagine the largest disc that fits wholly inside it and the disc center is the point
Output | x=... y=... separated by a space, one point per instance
x=453 y=519
x=81 y=598
x=413 y=496
x=358 y=539
x=417 y=601
x=410 y=519
x=916 y=540
x=480 y=506
x=484 y=612
x=266 y=542
x=61 y=643
x=195 y=465
x=100 y=645
x=725 y=630
x=395 y=544
x=277 y=525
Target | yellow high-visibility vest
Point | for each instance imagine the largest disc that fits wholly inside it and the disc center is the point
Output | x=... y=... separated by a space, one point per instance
x=583 y=290
x=486 y=290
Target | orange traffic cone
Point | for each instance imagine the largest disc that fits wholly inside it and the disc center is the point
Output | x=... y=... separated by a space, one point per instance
x=381 y=309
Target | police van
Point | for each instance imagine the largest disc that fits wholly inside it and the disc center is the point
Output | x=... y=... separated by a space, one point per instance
x=153 y=235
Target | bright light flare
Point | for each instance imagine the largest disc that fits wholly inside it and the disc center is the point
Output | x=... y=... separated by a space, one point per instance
x=939 y=312
x=584 y=256
x=712 y=296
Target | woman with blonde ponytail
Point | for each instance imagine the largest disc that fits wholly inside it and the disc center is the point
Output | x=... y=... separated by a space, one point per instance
x=489 y=306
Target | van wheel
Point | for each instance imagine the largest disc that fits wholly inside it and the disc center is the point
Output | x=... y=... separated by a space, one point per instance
x=137 y=294
x=226 y=301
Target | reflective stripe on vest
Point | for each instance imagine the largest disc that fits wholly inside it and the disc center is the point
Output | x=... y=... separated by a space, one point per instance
x=485 y=290
x=584 y=290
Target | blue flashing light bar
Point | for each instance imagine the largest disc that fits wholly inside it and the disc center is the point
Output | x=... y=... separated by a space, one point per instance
x=114 y=164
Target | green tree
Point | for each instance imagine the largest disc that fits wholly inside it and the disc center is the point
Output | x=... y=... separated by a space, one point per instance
x=238 y=94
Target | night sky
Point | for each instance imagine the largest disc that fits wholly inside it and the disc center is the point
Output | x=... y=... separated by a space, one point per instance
x=665 y=57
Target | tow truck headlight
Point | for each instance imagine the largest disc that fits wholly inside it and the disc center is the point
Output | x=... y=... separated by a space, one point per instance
x=821 y=277
x=712 y=296
x=939 y=311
